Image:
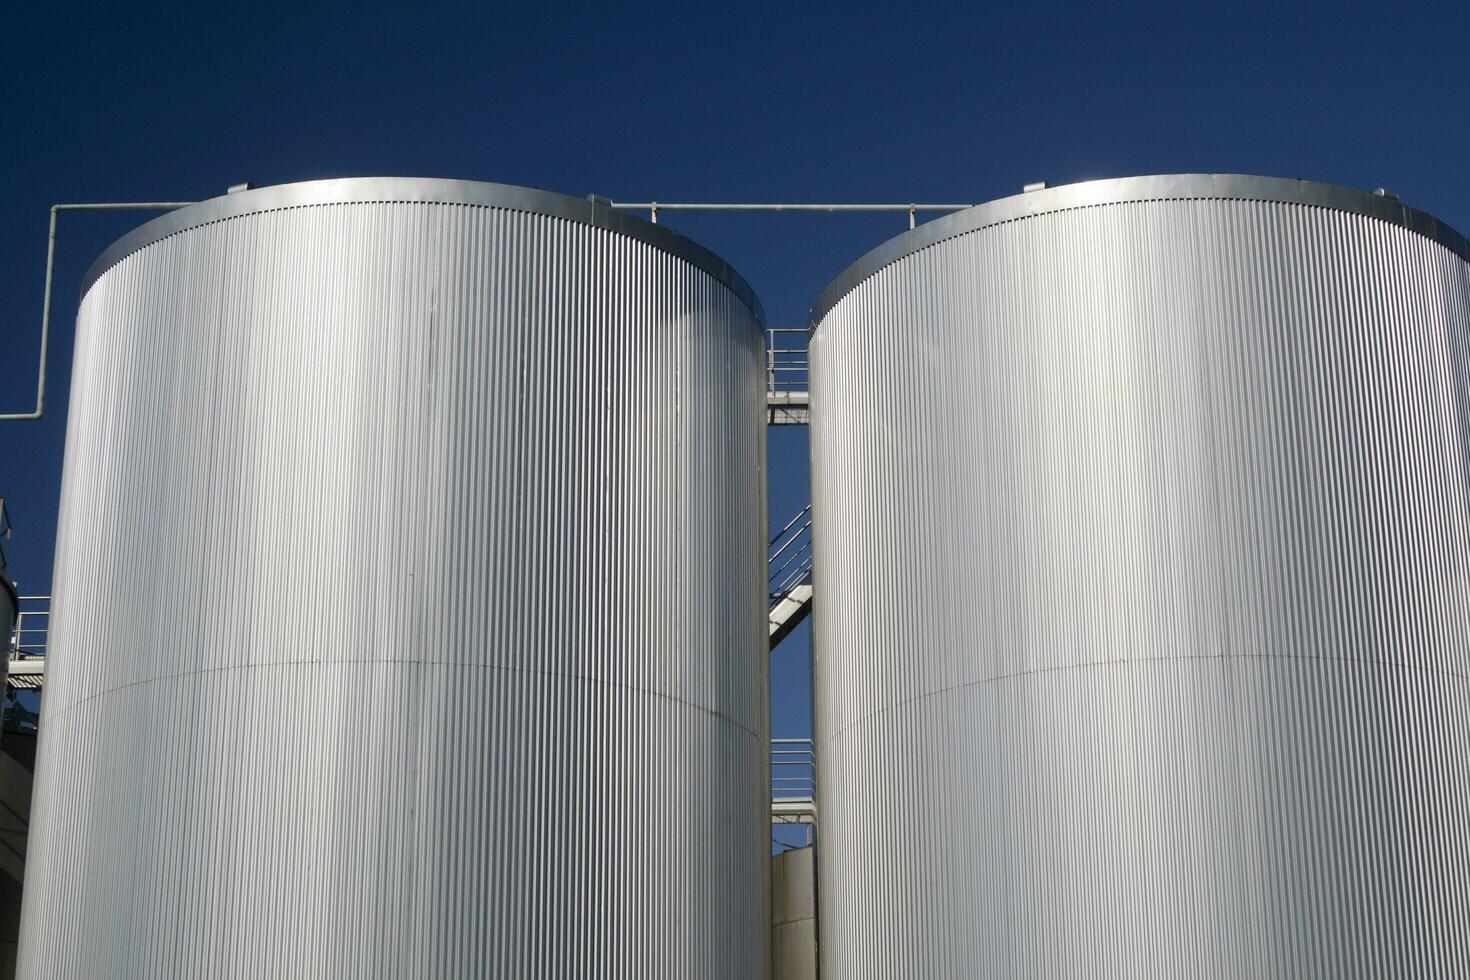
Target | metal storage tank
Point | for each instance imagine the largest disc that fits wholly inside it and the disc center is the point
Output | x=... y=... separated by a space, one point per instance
x=1141 y=528
x=409 y=602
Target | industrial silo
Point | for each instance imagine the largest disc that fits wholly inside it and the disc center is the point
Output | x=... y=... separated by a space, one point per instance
x=409 y=609
x=1141 y=528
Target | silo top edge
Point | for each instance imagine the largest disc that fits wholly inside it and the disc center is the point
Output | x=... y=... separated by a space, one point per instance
x=382 y=190
x=1122 y=190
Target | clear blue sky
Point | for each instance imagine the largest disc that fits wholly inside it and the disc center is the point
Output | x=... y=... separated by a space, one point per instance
x=758 y=102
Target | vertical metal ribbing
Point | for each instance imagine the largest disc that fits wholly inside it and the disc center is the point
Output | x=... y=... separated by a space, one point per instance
x=409 y=609
x=1142 y=648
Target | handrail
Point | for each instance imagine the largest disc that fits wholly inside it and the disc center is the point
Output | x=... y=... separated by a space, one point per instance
x=654 y=207
x=787 y=368
x=790 y=540
x=28 y=639
x=790 y=580
x=793 y=791
x=784 y=575
x=793 y=768
x=799 y=515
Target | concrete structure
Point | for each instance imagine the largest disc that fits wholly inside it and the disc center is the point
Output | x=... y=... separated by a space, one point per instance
x=1143 y=540
x=9 y=607
x=17 y=768
x=408 y=610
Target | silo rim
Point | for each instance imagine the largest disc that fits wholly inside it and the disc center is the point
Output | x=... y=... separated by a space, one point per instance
x=1124 y=190
x=429 y=190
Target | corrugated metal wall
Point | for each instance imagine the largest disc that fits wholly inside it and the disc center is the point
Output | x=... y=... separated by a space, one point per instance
x=1141 y=529
x=409 y=614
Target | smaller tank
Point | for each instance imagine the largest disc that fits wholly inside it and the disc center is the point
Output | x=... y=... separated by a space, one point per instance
x=8 y=606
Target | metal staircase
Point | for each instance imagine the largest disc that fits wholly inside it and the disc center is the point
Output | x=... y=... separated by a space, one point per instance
x=23 y=645
x=789 y=589
x=788 y=403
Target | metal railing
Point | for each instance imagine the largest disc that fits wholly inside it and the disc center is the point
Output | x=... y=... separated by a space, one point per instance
x=32 y=628
x=787 y=360
x=793 y=792
x=913 y=210
x=793 y=769
x=790 y=561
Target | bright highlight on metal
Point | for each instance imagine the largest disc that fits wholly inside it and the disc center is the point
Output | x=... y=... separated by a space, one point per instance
x=409 y=611
x=1142 y=532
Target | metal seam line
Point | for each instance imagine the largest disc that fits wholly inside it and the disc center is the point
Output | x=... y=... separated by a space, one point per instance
x=1062 y=668
x=663 y=695
x=46 y=301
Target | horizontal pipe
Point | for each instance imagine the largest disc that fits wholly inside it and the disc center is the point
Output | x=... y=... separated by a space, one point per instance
x=127 y=206
x=660 y=206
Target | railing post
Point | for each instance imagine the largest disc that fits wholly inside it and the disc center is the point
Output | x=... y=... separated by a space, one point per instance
x=770 y=361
